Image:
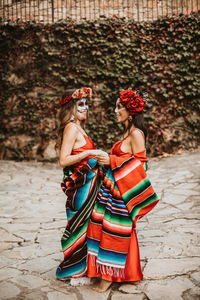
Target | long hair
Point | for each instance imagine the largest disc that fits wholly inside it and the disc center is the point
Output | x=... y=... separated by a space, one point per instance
x=67 y=114
x=138 y=122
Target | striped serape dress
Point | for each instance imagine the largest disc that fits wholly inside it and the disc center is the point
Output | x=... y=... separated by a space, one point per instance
x=81 y=183
x=125 y=196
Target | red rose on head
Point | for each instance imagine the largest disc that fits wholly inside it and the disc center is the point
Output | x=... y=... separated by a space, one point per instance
x=65 y=100
x=132 y=101
x=82 y=93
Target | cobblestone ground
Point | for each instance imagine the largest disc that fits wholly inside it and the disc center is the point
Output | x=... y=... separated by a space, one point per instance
x=33 y=219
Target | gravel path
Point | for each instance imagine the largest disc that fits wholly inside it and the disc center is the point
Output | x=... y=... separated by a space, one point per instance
x=32 y=219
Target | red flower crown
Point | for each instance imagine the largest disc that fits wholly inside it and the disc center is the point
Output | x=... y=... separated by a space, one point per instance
x=77 y=95
x=132 y=101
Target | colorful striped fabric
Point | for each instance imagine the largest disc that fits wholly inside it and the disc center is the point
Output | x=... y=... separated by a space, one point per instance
x=81 y=186
x=125 y=196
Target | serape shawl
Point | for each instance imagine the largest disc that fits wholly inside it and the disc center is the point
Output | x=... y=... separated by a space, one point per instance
x=81 y=186
x=124 y=197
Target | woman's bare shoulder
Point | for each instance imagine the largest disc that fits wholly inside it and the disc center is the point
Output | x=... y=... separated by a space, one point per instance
x=137 y=134
x=137 y=141
x=70 y=128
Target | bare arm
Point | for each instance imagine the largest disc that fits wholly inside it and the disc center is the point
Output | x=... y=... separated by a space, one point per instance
x=69 y=137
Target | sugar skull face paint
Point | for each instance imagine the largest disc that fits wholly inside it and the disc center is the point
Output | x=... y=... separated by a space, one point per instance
x=82 y=106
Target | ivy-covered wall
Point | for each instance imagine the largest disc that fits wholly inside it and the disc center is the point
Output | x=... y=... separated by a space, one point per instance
x=39 y=61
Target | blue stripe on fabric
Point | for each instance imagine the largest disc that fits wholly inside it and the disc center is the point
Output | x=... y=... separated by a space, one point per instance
x=102 y=201
x=113 y=207
x=71 y=270
x=103 y=192
x=110 y=257
x=118 y=205
x=70 y=213
x=92 y=245
x=92 y=162
x=83 y=191
x=117 y=211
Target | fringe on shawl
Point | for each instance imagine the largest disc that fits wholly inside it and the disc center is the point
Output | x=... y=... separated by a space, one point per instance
x=107 y=270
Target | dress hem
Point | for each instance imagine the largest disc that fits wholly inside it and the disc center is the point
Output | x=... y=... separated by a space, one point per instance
x=114 y=279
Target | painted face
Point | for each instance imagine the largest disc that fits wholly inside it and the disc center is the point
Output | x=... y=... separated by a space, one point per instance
x=82 y=109
x=121 y=112
x=82 y=105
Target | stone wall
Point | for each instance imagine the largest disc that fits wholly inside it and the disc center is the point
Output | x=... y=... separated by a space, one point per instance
x=39 y=62
x=41 y=11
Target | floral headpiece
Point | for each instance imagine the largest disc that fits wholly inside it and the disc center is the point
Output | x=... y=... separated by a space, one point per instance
x=132 y=101
x=77 y=95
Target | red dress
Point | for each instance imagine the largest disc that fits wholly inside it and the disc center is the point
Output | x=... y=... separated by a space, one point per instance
x=89 y=145
x=81 y=189
x=133 y=270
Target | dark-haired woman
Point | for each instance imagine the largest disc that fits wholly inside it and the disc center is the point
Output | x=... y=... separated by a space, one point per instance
x=81 y=181
x=125 y=196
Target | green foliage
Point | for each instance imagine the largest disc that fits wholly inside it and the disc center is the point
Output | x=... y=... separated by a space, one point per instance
x=161 y=58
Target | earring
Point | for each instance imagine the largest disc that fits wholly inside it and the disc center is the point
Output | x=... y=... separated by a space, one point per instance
x=130 y=118
x=72 y=118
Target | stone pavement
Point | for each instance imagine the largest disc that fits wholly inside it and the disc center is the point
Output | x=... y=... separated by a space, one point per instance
x=32 y=219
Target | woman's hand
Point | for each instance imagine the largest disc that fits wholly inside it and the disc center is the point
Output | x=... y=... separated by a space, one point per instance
x=95 y=152
x=102 y=157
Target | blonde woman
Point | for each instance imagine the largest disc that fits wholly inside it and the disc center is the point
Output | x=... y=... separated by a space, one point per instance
x=80 y=183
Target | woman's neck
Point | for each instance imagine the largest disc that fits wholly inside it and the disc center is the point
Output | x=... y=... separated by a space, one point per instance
x=128 y=130
x=126 y=123
x=126 y=127
x=78 y=122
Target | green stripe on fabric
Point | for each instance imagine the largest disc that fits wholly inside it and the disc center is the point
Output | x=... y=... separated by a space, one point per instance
x=148 y=201
x=99 y=206
x=143 y=185
x=75 y=236
x=122 y=220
